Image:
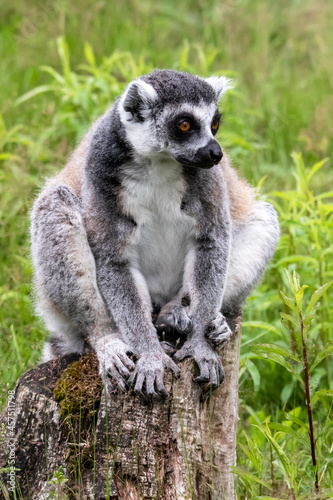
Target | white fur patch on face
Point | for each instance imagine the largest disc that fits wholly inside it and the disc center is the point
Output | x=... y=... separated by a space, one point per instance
x=140 y=133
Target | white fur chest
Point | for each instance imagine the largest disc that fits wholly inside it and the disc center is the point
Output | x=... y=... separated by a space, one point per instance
x=164 y=232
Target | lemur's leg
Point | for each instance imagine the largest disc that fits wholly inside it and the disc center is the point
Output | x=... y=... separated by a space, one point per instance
x=67 y=294
x=253 y=245
x=173 y=316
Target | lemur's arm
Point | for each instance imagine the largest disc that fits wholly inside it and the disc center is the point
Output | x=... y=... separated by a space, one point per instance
x=204 y=280
x=126 y=294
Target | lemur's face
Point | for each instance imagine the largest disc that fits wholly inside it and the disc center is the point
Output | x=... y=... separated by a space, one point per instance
x=169 y=114
x=190 y=132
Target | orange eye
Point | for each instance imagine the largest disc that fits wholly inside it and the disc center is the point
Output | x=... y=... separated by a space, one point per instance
x=184 y=126
x=215 y=125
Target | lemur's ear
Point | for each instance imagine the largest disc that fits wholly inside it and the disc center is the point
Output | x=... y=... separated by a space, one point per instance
x=220 y=85
x=139 y=99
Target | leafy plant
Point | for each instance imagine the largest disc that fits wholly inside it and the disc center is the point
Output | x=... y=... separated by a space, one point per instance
x=57 y=485
x=298 y=323
x=302 y=322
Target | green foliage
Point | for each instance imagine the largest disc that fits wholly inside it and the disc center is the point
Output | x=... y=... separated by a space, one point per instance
x=295 y=430
x=59 y=75
x=57 y=485
x=84 y=95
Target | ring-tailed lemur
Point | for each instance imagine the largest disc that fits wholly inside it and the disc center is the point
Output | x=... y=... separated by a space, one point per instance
x=147 y=214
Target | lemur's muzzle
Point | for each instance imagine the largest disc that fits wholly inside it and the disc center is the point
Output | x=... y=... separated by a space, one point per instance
x=206 y=157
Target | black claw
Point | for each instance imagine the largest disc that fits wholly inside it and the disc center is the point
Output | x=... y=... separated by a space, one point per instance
x=163 y=394
x=152 y=395
x=140 y=393
x=111 y=388
x=202 y=379
x=127 y=382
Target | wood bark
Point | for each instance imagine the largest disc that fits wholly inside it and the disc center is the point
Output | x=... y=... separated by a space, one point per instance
x=176 y=449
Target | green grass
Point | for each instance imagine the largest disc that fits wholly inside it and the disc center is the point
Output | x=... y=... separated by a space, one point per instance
x=280 y=54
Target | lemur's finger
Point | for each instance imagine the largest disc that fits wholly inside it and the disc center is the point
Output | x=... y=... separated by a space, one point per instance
x=181 y=354
x=223 y=338
x=126 y=361
x=109 y=386
x=213 y=376
x=204 y=373
x=172 y=365
x=119 y=380
x=218 y=331
x=139 y=383
x=150 y=385
x=216 y=323
x=221 y=373
x=160 y=385
x=167 y=347
x=215 y=334
x=121 y=367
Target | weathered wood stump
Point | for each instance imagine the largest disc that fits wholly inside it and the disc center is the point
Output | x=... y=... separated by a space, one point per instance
x=123 y=447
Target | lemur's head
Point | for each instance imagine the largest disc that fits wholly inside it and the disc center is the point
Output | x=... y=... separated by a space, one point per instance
x=174 y=114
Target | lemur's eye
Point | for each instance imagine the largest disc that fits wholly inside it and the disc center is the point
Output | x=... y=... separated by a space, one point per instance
x=215 y=125
x=184 y=126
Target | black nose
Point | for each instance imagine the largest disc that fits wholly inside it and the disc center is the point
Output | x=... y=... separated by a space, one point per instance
x=215 y=152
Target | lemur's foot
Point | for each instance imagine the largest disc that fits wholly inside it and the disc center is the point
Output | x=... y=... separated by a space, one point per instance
x=173 y=317
x=209 y=363
x=114 y=364
x=218 y=331
x=149 y=371
x=168 y=347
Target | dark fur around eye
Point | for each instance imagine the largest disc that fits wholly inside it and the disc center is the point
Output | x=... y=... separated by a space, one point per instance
x=217 y=118
x=215 y=130
x=176 y=133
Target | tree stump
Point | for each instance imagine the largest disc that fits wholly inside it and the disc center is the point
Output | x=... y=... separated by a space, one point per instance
x=123 y=447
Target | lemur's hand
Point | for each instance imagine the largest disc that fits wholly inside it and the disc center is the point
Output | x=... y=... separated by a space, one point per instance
x=173 y=317
x=218 y=331
x=150 y=369
x=114 y=363
x=209 y=363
